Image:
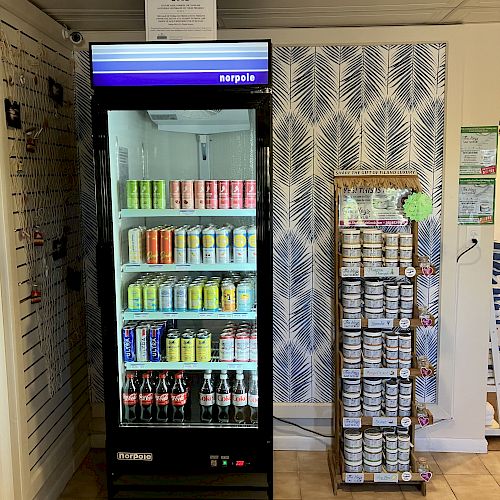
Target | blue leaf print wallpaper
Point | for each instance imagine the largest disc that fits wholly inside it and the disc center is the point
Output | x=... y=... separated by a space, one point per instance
x=334 y=108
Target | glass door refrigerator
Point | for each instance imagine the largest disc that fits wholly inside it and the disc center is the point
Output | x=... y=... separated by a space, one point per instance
x=182 y=137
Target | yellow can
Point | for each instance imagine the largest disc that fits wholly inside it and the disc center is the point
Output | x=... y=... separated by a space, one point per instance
x=187 y=347
x=203 y=346
x=195 y=297
x=173 y=347
x=228 y=297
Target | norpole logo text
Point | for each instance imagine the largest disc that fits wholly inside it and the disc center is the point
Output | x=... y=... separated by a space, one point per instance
x=124 y=455
x=246 y=77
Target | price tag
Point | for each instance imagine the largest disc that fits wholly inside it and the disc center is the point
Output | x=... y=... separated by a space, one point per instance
x=351 y=423
x=174 y=314
x=406 y=421
x=383 y=323
x=350 y=272
x=186 y=212
x=351 y=373
x=406 y=476
x=351 y=324
x=189 y=366
x=385 y=477
x=381 y=272
x=404 y=323
x=136 y=265
x=380 y=372
x=410 y=272
x=385 y=421
x=404 y=373
x=237 y=366
x=180 y=267
x=354 y=477
x=138 y=366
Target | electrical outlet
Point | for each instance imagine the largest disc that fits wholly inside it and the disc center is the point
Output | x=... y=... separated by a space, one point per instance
x=473 y=233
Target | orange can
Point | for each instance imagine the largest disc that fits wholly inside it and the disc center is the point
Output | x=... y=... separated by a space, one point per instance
x=166 y=246
x=152 y=246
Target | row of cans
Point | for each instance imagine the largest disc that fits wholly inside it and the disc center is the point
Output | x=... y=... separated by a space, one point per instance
x=213 y=194
x=238 y=343
x=190 y=346
x=193 y=244
x=201 y=294
x=143 y=341
x=146 y=194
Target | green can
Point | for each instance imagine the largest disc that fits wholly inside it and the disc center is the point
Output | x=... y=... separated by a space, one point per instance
x=211 y=296
x=195 y=297
x=135 y=297
x=132 y=194
x=150 y=297
x=145 y=195
x=159 y=194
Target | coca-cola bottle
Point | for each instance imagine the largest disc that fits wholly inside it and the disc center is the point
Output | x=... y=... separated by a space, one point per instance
x=186 y=381
x=146 y=399
x=162 y=398
x=239 y=399
x=223 y=397
x=179 y=398
x=207 y=397
x=253 y=398
x=129 y=398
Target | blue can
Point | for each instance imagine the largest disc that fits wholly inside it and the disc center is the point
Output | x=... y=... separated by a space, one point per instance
x=155 y=343
x=128 y=341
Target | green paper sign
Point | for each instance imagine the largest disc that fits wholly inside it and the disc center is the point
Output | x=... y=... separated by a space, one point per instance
x=478 y=150
x=476 y=201
x=418 y=206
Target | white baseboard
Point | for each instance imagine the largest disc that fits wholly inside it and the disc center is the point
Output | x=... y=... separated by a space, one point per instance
x=451 y=445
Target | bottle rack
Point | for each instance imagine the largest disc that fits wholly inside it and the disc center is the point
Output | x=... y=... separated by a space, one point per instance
x=336 y=457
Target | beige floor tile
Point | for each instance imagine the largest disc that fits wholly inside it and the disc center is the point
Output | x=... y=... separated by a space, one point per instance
x=493 y=444
x=470 y=486
x=491 y=461
x=318 y=486
x=313 y=461
x=497 y=478
x=430 y=460
x=286 y=486
x=459 y=463
x=285 y=461
x=437 y=489
x=376 y=492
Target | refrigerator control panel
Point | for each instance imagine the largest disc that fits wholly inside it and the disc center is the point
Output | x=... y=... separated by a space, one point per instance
x=226 y=462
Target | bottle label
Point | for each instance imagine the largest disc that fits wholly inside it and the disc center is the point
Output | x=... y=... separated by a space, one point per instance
x=239 y=399
x=130 y=399
x=162 y=399
x=223 y=399
x=207 y=399
x=253 y=400
x=179 y=399
x=146 y=399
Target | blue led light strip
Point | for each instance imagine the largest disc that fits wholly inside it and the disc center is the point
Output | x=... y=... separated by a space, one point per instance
x=168 y=64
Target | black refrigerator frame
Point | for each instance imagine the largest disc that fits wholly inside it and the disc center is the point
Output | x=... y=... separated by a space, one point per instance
x=180 y=462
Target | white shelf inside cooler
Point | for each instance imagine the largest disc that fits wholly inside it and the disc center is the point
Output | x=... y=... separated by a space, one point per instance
x=151 y=268
x=170 y=212
x=158 y=315
x=210 y=365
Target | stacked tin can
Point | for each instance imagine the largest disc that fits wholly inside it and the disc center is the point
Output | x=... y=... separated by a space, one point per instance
x=146 y=194
x=398 y=249
x=238 y=343
x=189 y=346
x=398 y=349
x=143 y=342
x=397 y=398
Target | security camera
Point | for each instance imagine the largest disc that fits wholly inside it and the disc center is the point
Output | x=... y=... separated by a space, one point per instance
x=75 y=37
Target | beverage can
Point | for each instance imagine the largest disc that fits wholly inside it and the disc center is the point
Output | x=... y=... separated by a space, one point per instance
x=165 y=297
x=180 y=245
x=194 y=245
x=223 y=194
x=159 y=194
x=240 y=244
x=152 y=246
x=195 y=297
x=208 y=240
x=166 y=246
x=187 y=192
x=188 y=347
x=223 y=250
x=211 y=296
x=135 y=245
x=228 y=297
x=150 y=297
x=242 y=347
x=236 y=194
x=203 y=347
x=252 y=244
x=173 y=346
x=244 y=293
x=180 y=297
x=199 y=194
x=155 y=343
x=145 y=195
x=211 y=198
x=134 y=297
x=128 y=342
x=132 y=187
x=253 y=347
x=226 y=347
x=250 y=193
x=141 y=341
x=175 y=194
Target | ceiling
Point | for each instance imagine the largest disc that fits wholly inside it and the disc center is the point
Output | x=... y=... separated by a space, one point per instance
x=128 y=15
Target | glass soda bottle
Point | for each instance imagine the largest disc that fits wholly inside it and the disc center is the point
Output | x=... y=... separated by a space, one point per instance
x=207 y=397
x=146 y=399
x=223 y=396
x=162 y=398
x=129 y=398
x=179 y=398
x=239 y=398
x=253 y=398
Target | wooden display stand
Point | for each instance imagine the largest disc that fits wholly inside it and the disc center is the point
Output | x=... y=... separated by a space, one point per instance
x=336 y=458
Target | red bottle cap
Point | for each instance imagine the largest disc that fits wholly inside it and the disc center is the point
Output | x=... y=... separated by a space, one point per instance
x=145 y=375
x=178 y=375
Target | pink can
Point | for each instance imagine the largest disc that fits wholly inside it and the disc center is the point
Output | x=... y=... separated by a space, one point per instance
x=250 y=194
x=211 y=195
x=226 y=347
x=199 y=194
x=187 y=189
x=242 y=347
x=237 y=194
x=224 y=194
x=175 y=194
x=253 y=347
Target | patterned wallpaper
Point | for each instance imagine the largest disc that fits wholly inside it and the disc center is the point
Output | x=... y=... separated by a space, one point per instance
x=335 y=108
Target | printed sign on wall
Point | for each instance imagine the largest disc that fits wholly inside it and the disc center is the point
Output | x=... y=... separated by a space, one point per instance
x=476 y=201
x=478 y=150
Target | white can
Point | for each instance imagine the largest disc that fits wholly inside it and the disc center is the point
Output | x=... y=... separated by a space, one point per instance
x=372 y=363
x=353 y=466
x=351 y=337
x=373 y=385
x=392 y=302
x=372 y=261
x=391 y=441
x=353 y=438
x=240 y=244
x=352 y=385
x=351 y=261
x=351 y=286
x=392 y=364
x=391 y=387
x=392 y=353
x=391 y=412
x=226 y=348
x=405 y=253
x=406 y=313
x=391 y=401
x=391 y=466
x=403 y=466
x=391 y=290
x=391 y=239
x=350 y=399
x=372 y=398
x=252 y=244
x=352 y=411
x=403 y=455
x=405 y=240
x=254 y=351
x=372 y=467
x=392 y=313
x=406 y=290
x=353 y=454
x=404 y=411
x=350 y=236
x=405 y=387
x=372 y=454
x=375 y=313
x=391 y=262
x=404 y=401
x=374 y=287
x=391 y=340
x=391 y=252
x=407 y=303
x=372 y=352
x=372 y=337
x=351 y=351
x=405 y=341
x=404 y=363
x=372 y=236
x=351 y=250
x=374 y=301
x=352 y=364
x=136 y=254
x=405 y=263
x=371 y=411
x=403 y=442
x=404 y=354
x=351 y=300
x=372 y=251
x=242 y=348
x=391 y=455
x=352 y=313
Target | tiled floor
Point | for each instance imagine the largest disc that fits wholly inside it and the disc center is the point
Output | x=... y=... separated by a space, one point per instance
x=305 y=476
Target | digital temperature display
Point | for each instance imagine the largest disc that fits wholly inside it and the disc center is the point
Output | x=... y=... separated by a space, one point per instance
x=239 y=463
